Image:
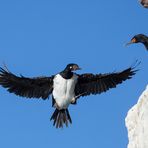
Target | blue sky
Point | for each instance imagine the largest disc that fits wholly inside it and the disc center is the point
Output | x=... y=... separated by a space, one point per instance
x=40 y=37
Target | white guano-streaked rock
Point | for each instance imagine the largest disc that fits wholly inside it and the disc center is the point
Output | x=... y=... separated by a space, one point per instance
x=137 y=123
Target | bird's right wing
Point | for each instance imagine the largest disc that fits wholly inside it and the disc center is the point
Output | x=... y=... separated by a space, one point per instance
x=98 y=83
x=38 y=87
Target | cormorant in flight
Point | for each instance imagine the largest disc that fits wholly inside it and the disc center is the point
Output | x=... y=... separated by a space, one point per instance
x=139 y=38
x=65 y=87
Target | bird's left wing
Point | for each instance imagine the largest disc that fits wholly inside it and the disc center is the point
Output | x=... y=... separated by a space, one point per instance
x=38 y=87
x=95 y=84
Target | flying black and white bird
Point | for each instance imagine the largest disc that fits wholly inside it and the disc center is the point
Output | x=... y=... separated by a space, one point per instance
x=65 y=87
x=139 y=38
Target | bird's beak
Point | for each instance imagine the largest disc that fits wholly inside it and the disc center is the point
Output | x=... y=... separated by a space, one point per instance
x=75 y=67
x=131 y=42
x=78 y=68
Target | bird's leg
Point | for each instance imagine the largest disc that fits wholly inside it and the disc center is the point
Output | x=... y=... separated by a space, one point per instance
x=76 y=97
x=73 y=101
x=57 y=106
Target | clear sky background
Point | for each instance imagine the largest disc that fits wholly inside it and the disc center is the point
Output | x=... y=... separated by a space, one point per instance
x=40 y=38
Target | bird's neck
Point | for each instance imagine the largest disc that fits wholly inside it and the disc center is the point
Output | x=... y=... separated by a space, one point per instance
x=66 y=74
x=145 y=42
x=143 y=39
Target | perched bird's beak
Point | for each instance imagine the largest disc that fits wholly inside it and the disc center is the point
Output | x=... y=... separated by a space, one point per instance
x=131 y=42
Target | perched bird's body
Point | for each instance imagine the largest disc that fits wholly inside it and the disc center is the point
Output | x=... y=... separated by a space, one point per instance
x=139 y=38
x=65 y=87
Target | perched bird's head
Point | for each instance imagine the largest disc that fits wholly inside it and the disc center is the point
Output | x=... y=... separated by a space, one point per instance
x=72 y=67
x=139 y=38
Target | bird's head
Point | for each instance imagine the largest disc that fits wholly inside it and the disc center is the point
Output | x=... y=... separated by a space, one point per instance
x=72 y=67
x=139 y=38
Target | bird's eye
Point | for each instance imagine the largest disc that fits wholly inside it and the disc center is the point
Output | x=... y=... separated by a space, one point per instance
x=70 y=67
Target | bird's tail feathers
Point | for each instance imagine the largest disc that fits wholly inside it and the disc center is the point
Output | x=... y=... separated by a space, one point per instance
x=61 y=117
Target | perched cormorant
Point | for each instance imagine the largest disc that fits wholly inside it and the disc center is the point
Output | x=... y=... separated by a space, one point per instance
x=139 y=38
x=144 y=3
x=65 y=87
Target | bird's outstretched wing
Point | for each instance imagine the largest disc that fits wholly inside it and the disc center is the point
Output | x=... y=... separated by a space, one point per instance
x=38 y=87
x=96 y=84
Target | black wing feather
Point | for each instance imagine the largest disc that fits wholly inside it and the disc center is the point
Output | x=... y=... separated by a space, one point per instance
x=38 y=87
x=96 y=84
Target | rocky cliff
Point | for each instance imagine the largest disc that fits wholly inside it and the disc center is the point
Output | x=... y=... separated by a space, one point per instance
x=137 y=122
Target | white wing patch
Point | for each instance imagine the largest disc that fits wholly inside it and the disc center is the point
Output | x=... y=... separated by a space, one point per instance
x=63 y=90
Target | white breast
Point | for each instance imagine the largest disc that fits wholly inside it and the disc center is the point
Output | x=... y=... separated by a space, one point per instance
x=63 y=90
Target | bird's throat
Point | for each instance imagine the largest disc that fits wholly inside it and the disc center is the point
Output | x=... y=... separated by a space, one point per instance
x=66 y=74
